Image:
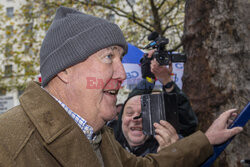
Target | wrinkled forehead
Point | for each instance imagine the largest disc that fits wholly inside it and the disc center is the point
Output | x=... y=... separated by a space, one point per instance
x=134 y=102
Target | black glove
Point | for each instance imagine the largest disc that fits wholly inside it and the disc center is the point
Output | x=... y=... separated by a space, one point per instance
x=145 y=67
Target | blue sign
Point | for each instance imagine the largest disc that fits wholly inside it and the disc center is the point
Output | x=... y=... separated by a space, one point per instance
x=133 y=55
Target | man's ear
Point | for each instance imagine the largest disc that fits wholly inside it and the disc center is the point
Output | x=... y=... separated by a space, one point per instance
x=63 y=76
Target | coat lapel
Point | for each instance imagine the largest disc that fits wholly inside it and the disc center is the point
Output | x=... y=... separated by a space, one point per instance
x=109 y=153
x=61 y=135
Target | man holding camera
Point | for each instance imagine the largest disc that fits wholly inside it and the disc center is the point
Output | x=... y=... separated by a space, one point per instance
x=128 y=131
x=151 y=70
x=63 y=122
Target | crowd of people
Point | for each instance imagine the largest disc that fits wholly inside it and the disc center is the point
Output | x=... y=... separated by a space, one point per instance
x=62 y=122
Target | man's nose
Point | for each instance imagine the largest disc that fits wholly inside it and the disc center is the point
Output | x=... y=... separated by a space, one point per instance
x=138 y=116
x=119 y=72
x=137 y=121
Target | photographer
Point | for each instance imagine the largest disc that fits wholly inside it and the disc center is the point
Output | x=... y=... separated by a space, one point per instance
x=151 y=70
x=132 y=137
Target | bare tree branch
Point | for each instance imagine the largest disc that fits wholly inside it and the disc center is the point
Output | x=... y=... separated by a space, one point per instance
x=162 y=3
x=171 y=9
x=167 y=27
x=131 y=7
x=122 y=13
x=176 y=47
x=157 y=22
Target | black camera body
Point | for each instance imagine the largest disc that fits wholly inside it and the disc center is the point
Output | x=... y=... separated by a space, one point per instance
x=163 y=56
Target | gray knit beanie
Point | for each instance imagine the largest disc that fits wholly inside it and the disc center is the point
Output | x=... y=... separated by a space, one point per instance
x=73 y=37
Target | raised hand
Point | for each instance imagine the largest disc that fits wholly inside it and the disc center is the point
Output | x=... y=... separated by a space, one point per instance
x=218 y=132
x=165 y=134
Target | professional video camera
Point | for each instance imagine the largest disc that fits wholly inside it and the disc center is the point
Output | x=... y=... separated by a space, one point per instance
x=163 y=56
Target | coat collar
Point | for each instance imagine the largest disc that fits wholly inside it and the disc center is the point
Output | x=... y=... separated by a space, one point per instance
x=62 y=137
x=46 y=114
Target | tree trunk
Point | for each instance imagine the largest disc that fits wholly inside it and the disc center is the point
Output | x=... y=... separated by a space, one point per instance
x=217 y=73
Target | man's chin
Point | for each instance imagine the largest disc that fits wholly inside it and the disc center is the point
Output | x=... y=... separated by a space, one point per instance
x=138 y=140
x=110 y=117
x=137 y=143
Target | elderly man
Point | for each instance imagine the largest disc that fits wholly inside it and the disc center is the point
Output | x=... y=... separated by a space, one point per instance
x=62 y=122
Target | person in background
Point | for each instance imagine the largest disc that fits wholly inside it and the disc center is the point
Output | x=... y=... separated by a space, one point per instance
x=129 y=130
x=151 y=70
x=62 y=121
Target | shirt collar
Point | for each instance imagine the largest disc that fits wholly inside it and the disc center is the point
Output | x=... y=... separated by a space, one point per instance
x=82 y=123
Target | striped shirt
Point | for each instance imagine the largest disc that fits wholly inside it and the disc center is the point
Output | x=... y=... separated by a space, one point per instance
x=82 y=123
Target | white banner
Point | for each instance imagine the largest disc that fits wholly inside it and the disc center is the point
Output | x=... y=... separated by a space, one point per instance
x=6 y=102
x=133 y=72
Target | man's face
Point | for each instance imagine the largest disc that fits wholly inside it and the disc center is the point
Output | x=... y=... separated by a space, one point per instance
x=132 y=129
x=94 y=84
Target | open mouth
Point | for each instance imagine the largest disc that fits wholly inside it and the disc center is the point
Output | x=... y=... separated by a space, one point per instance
x=136 y=128
x=111 y=92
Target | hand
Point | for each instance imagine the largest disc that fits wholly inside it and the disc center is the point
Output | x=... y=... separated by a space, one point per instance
x=165 y=134
x=162 y=73
x=218 y=132
x=145 y=65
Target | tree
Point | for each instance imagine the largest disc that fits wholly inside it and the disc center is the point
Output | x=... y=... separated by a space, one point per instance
x=137 y=19
x=19 y=48
x=141 y=18
x=217 y=72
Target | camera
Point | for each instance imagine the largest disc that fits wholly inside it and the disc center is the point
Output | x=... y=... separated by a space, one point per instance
x=163 y=56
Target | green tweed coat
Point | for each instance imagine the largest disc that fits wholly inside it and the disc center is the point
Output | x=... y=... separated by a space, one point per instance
x=39 y=132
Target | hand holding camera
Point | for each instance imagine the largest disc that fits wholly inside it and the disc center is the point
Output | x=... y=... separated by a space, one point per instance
x=162 y=73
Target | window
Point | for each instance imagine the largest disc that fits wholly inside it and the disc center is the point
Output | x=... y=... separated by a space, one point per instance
x=3 y=91
x=20 y=90
x=8 y=71
x=9 y=31
x=27 y=48
x=28 y=11
x=29 y=70
x=28 y=28
x=10 y=12
x=8 y=50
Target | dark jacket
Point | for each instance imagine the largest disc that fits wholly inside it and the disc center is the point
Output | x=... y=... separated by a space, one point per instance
x=39 y=132
x=150 y=146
